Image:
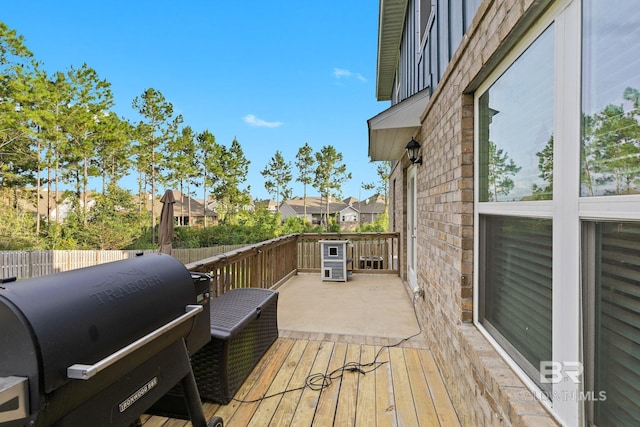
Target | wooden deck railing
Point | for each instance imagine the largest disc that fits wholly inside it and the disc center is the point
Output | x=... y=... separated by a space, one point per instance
x=270 y=263
x=263 y=265
x=369 y=252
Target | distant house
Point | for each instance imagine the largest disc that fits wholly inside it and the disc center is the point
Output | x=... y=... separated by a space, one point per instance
x=350 y=200
x=348 y=211
x=215 y=206
x=269 y=204
x=65 y=207
x=187 y=211
x=370 y=208
x=191 y=212
x=348 y=214
x=47 y=205
x=296 y=208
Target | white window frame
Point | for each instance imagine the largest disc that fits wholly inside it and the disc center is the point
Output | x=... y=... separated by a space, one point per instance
x=564 y=209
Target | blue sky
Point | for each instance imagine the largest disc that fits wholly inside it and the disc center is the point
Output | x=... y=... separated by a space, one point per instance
x=272 y=74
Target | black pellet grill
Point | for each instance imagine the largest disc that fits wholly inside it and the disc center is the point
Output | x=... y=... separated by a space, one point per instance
x=99 y=346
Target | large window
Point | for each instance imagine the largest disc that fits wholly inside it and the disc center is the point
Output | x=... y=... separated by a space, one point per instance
x=515 y=153
x=558 y=209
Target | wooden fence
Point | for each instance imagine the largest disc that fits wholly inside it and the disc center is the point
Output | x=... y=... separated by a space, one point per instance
x=25 y=264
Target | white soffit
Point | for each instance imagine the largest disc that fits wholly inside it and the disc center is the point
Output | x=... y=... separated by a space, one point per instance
x=391 y=130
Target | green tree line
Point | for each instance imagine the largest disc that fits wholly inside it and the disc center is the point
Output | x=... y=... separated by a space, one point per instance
x=58 y=131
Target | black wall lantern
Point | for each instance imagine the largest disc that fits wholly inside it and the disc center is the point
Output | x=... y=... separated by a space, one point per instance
x=413 y=149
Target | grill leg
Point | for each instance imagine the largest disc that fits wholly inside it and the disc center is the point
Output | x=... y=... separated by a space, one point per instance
x=192 y=400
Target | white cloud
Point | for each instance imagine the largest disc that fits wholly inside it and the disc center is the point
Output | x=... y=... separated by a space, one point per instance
x=341 y=72
x=256 y=122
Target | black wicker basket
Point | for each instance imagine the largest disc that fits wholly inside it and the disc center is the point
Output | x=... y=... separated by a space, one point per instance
x=244 y=324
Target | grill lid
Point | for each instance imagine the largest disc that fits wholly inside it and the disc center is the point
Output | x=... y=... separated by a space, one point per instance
x=82 y=316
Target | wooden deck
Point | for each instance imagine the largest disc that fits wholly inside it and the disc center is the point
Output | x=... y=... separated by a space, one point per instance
x=406 y=389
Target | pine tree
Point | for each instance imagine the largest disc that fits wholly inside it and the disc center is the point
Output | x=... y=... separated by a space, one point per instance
x=210 y=165
x=154 y=132
x=278 y=176
x=330 y=174
x=305 y=163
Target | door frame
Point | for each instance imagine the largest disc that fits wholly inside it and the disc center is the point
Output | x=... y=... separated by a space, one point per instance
x=412 y=227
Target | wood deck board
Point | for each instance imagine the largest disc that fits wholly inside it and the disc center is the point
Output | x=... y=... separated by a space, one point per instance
x=408 y=390
x=405 y=406
x=289 y=402
x=308 y=403
x=176 y=423
x=210 y=409
x=366 y=403
x=346 y=409
x=385 y=401
x=245 y=411
x=326 y=409
x=267 y=407
x=154 y=421
x=439 y=394
x=426 y=412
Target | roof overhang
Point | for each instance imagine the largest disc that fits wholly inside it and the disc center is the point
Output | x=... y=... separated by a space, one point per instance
x=391 y=130
x=390 y=25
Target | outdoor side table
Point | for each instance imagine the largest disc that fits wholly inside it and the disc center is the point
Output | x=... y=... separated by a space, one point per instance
x=244 y=324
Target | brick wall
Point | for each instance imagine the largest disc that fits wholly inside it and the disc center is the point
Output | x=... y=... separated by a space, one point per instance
x=483 y=387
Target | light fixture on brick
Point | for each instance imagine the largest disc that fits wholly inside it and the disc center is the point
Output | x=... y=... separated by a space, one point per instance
x=413 y=149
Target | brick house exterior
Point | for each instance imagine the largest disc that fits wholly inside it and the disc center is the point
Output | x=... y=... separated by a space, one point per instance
x=433 y=81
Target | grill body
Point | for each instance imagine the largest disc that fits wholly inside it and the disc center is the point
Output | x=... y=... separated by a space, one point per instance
x=99 y=344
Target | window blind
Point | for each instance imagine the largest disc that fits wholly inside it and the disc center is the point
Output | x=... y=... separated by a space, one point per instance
x=517 y=287
x=617 y=316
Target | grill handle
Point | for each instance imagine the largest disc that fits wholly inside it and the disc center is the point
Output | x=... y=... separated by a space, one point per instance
x=79 y=371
